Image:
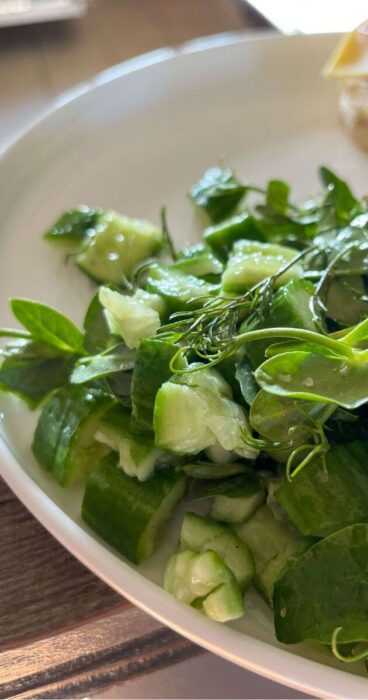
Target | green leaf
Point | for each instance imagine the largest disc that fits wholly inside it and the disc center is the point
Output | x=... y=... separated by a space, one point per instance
x=218 y=193
x=120 y=386
x=277 y=195
x=31 y=371
x=326 y=588
x=97 y=366
x=340 y=199
x=317 y=377
x=281 y=418
x=299 y=346
x=346 y=300
x=247 y=383
x=97 y=333
x=72 y=227
x=239 y=486
x=48 y=325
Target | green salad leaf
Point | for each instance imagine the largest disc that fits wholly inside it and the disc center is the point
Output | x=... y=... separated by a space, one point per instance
x=97 y=334
x=325 y=589
x=119 y=359
x=317 y=377
x=339 y=200
x=218 y=193
x=71 y=228
x=48 y=326
x=248 y=385
x=31 y=370
x=277 y=195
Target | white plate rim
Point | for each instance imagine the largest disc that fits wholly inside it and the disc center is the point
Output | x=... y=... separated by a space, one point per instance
x=240 y=648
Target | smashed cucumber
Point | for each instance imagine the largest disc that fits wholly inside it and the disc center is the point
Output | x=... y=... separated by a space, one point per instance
x=64 y=441
x=198 y=260
x=146 y=382
x=179 y=290
x=222 y=236
x=291 y=307
x=252 y=261
x=204 y=579
x=116 y=245
x=200 y=534
x=272 y=542
x=129 y=514
x=138 y=455
x=327 y=496
x=132 y=317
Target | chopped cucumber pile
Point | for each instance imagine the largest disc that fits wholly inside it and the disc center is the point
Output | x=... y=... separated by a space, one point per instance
x=232 y=373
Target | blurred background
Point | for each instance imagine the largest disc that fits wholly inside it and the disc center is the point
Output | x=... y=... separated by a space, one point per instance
x=46 y=46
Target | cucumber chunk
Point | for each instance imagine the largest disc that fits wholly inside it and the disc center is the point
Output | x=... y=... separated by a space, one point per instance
x=177 y=579
x=116 y=245
x=321 y=500
x=129 y=514
x=197 y=530
x=222 y=236
x=291 y=307
x=190 y=577
x=196 y=412
x=132 y=317
x=151 y=370
x=236 y=499
x=138 y=454
x=225 y=603
x=208 y=571
x=64 y=441
x=238 y=509
x=200 y=534
x=198 y=260
x=251 y=261
x=272 y=543
x=179 y=291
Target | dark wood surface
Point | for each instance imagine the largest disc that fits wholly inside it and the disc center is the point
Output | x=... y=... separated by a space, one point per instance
x=64 y=633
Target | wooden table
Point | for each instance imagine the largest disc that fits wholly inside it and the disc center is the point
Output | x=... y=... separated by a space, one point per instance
x=64 y=633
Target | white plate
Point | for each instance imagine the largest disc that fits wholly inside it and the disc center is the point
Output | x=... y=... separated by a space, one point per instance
x=133 y=139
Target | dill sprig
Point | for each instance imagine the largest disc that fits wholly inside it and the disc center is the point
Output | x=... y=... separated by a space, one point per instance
x=212 y=331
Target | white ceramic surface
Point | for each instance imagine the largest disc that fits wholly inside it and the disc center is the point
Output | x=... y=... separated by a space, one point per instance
x=133 y=139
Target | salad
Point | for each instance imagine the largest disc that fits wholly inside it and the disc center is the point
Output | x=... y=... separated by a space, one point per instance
x=233 y=372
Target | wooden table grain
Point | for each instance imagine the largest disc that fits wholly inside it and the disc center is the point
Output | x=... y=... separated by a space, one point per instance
x=64 y=633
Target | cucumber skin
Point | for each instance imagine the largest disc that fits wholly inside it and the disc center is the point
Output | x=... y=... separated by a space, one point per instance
x=120 y=508
x=146 y=381
x=198 y=260
x=222 y=236
x=57 y=430
x=179 y=291
x=291 y=308
x=320 y=503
